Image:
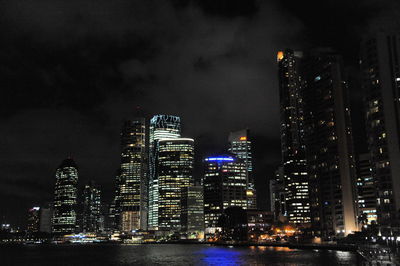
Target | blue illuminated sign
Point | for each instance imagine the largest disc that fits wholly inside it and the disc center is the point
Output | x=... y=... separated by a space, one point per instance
x=230 y=159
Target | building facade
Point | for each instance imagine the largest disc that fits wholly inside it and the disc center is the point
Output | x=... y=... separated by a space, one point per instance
x=240 y=146
x=161 y=127
x=33 y=220
x=65 y=198
x=91 y=209
x=131 y=197
x=46 y=216
x=330 y=156
x=192 y=209
x=225 y=185
x=174 y=171
x=380 y=64
x=366 y=190
x=294 y=163
x=277 y=196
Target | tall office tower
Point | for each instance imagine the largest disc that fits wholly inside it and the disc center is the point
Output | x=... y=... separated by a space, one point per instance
x=292 y=138
x=380 y=64
x=46 y=214
x=131 y=195
x=225 y=185
x=174 y=171
x=330 y=157
x=161 y=127
x=65 y=198
x=112 y=219
x=192 y=217
x=240 y=146
x=277 y=196
x=33 y=220
x=91 y=200
x=366 y=190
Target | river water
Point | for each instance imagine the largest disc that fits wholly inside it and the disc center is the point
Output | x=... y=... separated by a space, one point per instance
x=169 y=254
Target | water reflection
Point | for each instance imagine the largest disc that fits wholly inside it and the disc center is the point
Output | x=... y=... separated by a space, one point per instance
x=220 y=256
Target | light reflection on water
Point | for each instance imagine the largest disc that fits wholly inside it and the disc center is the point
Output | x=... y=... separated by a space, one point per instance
x=221 y=256
x=171 y=255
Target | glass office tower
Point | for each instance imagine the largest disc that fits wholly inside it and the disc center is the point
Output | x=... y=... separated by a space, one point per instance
x=91 y=208
x=131 y=200
x=161 y=127
x=174 y=171
x=225 y=185
x=65 y=198
x=240 y=146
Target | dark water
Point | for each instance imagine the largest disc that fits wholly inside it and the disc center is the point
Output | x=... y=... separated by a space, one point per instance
x=169 y=255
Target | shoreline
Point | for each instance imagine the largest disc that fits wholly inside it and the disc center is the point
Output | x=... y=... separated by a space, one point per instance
x=340 y=247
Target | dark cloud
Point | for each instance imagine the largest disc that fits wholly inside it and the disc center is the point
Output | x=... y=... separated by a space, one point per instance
x=71 y=71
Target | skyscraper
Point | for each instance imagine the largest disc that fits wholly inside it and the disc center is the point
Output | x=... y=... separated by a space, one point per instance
x=294 y=162
x=240 y=146
x=277 y=195
x=380 y=64
x=192 y=209
x=225 y=185
x=33 y=219
x=366 y=190
x=46 y=215
x=65 y=198
x=161 y=127
x=91 y=208
x=131 y=195
x=330 y=156
x=174 y=171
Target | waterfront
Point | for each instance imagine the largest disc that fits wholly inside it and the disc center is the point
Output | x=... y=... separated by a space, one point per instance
x=169 y=254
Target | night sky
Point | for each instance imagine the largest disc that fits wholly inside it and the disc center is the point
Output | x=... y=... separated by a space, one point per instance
x=72 y=71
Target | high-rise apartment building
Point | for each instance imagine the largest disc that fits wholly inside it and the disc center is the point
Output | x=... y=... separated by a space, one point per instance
x=131 y=194
x=380 y=66
x=161 y=127
x=366 y=190
x=295 y=176
x=240 y=146
x=91 y=201
x=329 y=146
x=65 y=198
x=225 y=185
x=174 y=171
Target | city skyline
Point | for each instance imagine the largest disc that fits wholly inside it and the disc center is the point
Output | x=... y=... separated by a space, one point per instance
x=77 y=123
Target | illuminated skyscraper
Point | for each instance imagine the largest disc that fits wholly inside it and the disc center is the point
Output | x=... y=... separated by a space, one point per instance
x=294 y=162
x=240 y=146
x=225 y=185
x=380 y=64
x=65 y=198
x=131 y=194
x=33 y=220
x=366 y=190
x=192 y=217
x=329 y=145
x=91 y=208
x=161 y=127
x=174 y=171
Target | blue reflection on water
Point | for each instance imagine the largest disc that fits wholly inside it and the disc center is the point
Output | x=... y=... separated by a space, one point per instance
x=220 y=256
